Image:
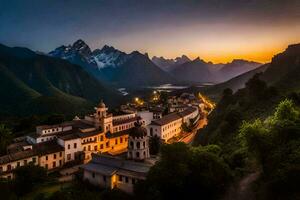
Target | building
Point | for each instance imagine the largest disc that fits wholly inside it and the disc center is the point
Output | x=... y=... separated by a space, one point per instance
x=170 y=125
x=115 y=172
x=52 y=146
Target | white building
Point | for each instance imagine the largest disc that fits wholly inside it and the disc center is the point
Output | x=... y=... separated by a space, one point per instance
x=170 y=125
x=113 y=172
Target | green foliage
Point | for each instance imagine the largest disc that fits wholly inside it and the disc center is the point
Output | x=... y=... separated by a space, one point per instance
x=26 y=177
x=184 y=172
x=154 y=145
x=185 y=127
x=5 y=138
x=275 y=143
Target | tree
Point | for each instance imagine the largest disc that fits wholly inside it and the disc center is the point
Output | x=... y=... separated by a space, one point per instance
x=154 y=145
x=184 y=172
x=275 y=143
x=5 y=138
x=28 y=176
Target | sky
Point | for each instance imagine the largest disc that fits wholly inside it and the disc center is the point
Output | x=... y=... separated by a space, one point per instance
x=214 y=30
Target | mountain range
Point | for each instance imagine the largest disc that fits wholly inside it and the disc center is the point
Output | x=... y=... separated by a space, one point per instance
x=114 y=66
x=39 y=84
x=283 y=72
x=117 y=67
x=168 y=64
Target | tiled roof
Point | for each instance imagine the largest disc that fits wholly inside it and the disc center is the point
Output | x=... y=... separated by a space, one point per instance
x=166 y=119
x=118 y=134
x=125 y=121
x=47 y=147
x=187 y=111
x=107 y=165
x=17 y=156
x=69 y=135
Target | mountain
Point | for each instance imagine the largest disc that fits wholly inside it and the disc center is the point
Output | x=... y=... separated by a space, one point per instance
x=235 y=83
x=284 y=70
x=201 y=71
x=113 y=66
x=194 y=71
x=235 y=68
x=39 y=84
x=260 y=124
x=168 y=64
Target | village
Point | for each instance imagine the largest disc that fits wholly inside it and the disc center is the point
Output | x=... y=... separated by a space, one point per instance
x=110 y=150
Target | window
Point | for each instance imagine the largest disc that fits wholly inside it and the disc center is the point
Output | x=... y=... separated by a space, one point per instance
x=34 y=160
x=25 y=162
x=131 y=144
x=138 y=145
x=121 y=140
x=60 y=154
x=144 y=144
x=137 y=154
x=84 y=148
x=101 y=146
x=95 y=148
x=54 y=156
x=104 y=178
x=89 y=147
x=60 y=162
x=120 y=178
x=69 y=156
x=126 y=179
x=101 y=138
x=54 y=164
x=1 y=169
x=69 y=146
x=144 y=153
x=75 y=145
x=46 y=157
x=95 y=139
x=116 y=141
x=107 y=144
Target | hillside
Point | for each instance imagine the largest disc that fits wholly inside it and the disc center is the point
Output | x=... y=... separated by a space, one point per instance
x=235 y=83
x=40 y=84
x=254 y=125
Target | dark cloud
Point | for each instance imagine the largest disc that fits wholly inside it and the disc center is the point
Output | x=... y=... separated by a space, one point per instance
x=43 y=24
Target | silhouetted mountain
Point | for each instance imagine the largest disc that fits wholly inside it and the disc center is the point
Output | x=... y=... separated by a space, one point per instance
x=235 y=83
x=114 y=66
x=235 y=68
x=284 y=70
x=193 y=71
x=168 y=64
x=283 y=73
x=34 y=83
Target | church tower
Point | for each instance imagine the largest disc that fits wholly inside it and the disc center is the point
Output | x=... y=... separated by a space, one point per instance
x=138 y=143
x=102 y=119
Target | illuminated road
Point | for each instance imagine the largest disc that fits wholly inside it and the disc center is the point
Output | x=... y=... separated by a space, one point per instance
x=190 y=136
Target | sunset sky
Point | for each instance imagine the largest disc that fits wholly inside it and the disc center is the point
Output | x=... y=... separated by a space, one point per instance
x=214 y=30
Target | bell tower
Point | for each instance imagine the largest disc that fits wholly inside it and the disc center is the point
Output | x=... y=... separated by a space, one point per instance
x=138 y=143
x=102 y=119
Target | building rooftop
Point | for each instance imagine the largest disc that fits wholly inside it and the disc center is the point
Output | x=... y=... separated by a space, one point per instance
x=166 y=119
x=17 y=156
x=118 y=134
x=187 y=111
x=47 y=147
x=125 y=121
x=107 y=165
